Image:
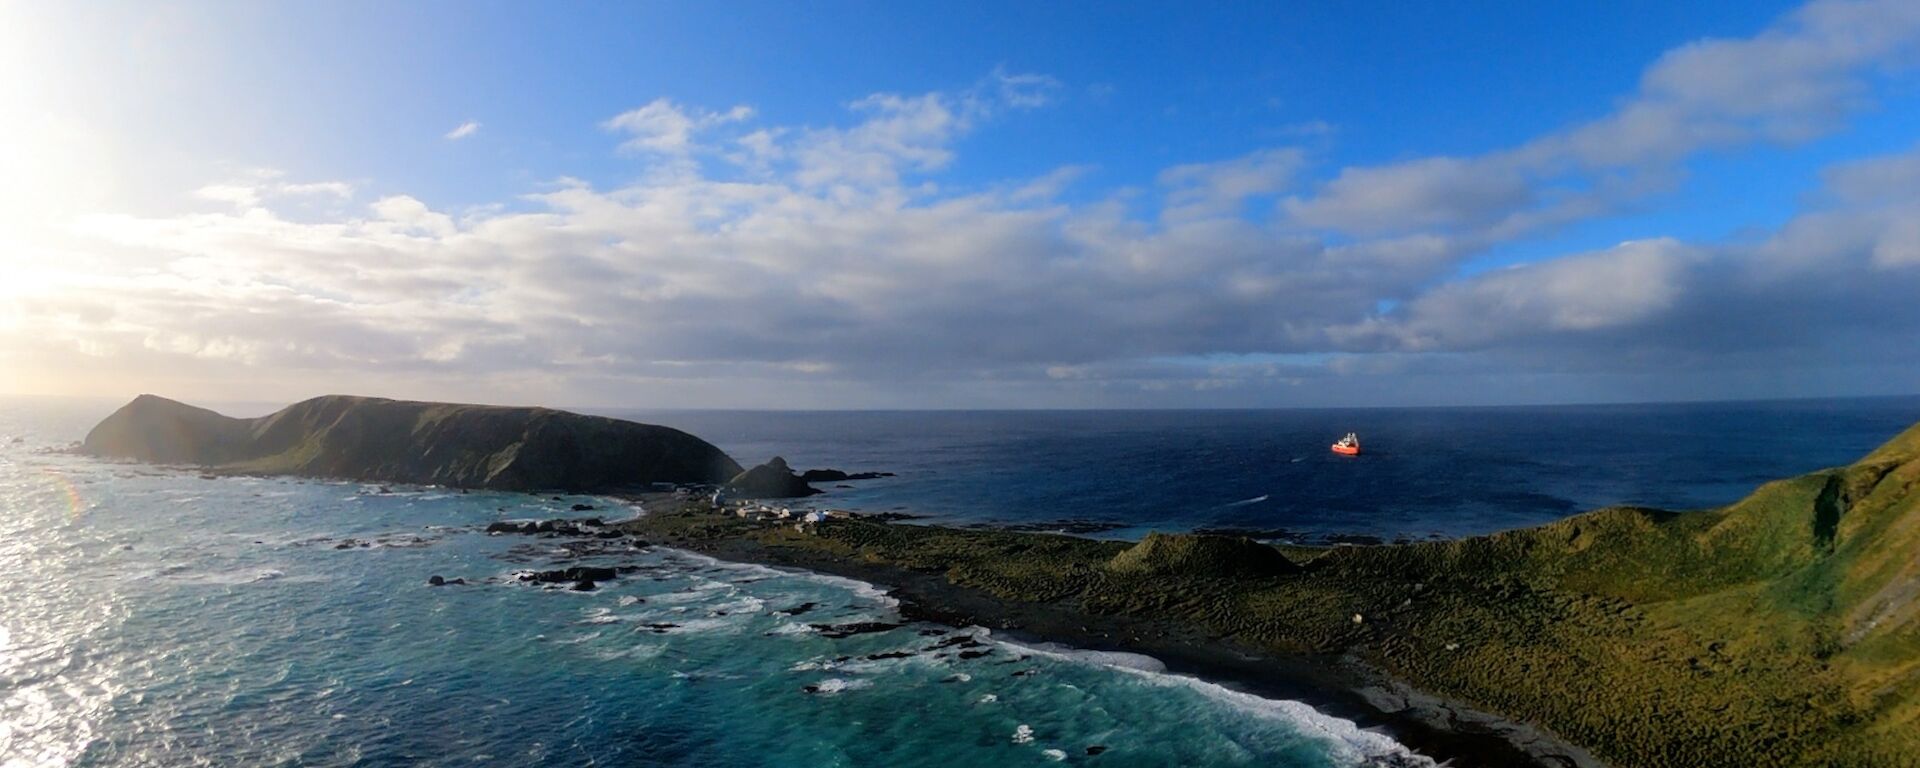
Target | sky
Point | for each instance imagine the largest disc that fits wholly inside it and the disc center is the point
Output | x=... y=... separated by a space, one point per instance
x=965 y=205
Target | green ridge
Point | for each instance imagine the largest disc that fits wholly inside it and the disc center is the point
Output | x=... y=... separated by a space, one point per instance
x=1783 y=629
x=399 y=441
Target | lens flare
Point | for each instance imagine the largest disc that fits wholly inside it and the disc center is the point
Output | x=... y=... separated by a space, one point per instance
x=76 y=505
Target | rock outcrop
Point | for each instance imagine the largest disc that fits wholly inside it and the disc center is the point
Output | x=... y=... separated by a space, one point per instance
x=772 y=480
x=1188 y=555
x=379 y=440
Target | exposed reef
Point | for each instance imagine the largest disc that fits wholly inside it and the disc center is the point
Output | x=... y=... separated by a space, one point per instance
x=397 y=441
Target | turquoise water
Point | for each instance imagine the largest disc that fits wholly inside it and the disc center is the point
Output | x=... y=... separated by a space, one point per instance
x=153 y=617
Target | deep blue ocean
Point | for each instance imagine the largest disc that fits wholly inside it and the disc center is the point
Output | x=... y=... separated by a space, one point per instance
x=1423 y=473
x=155 y=617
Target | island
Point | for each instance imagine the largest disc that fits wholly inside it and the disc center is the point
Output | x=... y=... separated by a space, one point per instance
x=1783 y=629
x=398 y=441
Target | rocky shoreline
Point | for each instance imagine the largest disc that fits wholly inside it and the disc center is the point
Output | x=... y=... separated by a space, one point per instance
x=1340 y=685
x=1778 y=630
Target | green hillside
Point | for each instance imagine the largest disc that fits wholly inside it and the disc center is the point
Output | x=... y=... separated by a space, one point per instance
x=399 y=441
x=1781 y=630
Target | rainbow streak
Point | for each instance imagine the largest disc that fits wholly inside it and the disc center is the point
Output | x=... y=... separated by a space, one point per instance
x=76 y=506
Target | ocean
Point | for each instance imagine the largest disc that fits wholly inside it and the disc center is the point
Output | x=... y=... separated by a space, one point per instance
x=158 y=617
x=1430 y=472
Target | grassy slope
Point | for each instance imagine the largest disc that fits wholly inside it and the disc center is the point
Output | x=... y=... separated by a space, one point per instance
x=1784 y=629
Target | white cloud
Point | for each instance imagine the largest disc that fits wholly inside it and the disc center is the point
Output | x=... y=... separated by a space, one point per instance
x=251 y=188
x=1798 y=79
x=237 y=195
x=413 y=215
x=1577 y=294
x=1416 y=195
x=1024 y=90
x=828 y=270
x=664 y=127
x=1221 y=187
x=463 y=130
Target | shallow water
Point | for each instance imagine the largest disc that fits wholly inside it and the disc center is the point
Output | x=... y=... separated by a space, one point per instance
x=153 y=617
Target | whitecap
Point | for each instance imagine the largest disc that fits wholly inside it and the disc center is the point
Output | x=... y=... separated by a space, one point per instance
x=790 y=628
x=1350 y=740
x=839 y=684
x=1056 y=755
x=1023 y=734
x=1137 y=662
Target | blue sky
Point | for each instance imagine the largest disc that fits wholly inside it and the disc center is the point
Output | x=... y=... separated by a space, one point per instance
x=981 y=204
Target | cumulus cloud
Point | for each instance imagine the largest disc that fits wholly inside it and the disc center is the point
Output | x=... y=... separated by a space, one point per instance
x=813 y=264
x=253 y=187
x=1796 y=80
x=664 y=127
x=1572 y=295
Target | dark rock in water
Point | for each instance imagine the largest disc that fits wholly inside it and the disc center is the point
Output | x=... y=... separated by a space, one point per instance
x=393 y=441
x=574 y=574
x=797 y=610
x=888 y=655
x=585 y=585
x=436 y=581
x=772 y=480
x=836 y=476
x=608 y=535
x=811 y=689
x=975 y=654
x=1024 y=673
x=1095 y=749
x=837 y=631
x=544 y=526
x=583 y=507
x=888 y=517
x=593 y=521
x=503 y=527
